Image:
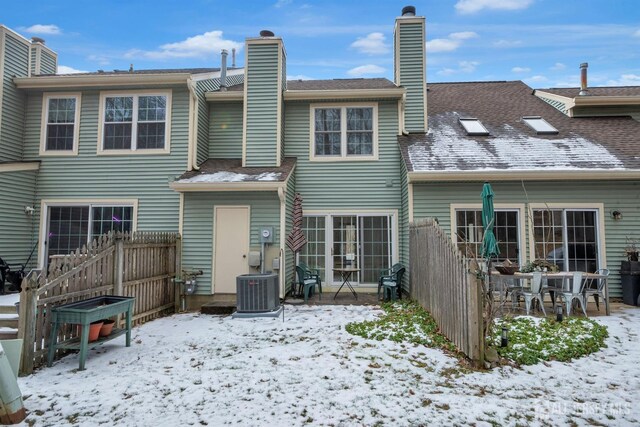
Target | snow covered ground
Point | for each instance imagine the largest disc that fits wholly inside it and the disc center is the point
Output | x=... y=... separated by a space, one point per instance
x=193 y=369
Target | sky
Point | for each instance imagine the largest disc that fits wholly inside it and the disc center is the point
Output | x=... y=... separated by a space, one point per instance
x=541 y=42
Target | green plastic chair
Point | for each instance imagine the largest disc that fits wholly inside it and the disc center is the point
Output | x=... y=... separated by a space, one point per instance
x=391 y=285
x=306 y=283
x=388 y=274
x=312 y=273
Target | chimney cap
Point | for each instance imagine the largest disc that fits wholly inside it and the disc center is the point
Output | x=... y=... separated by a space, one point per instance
x=37 y=40
x=224 y=52
x=266 y=33
x=584 y=65
x=409 y=11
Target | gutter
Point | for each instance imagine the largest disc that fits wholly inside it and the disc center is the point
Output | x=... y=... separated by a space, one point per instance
x=518 y=175
x=192 y=155
x=310 y=95
x=184 y=187
x=104 y=80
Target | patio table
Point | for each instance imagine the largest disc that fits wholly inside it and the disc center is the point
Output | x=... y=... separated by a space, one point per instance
x=346 y=274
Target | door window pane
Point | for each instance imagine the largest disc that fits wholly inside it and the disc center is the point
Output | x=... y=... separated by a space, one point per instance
x=375 y=253
x=313 y=253
x=470 y=232
x=68 y=227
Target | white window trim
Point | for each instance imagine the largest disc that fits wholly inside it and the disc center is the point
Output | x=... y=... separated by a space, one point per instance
x=343 y=129
x=597 y=207
x=136 y=93
x=522 y=223
x=44 y=216
x=44 y=121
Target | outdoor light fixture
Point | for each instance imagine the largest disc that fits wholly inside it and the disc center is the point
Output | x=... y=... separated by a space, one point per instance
x=558 y=313
x=616 y=215
x=505 y=337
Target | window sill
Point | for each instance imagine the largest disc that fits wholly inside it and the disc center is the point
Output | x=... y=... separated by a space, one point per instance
x=335 y=159
x=132 y=152
x=60 y=153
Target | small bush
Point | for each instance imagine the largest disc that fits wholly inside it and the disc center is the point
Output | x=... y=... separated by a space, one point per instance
x=532 y=340
x=403 y=321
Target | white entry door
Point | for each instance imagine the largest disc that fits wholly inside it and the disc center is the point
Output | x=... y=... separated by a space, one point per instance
x=231 y=247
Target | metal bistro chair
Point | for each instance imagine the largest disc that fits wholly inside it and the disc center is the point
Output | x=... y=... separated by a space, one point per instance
x=534 y=293
x=595 y=287
x=307 y=284
x=388 y=274
x=575 y=293
x=392 y=285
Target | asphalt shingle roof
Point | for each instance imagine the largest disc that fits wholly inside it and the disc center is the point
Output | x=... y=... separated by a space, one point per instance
x=231 y=170
x=334 y=84
x=596 y=91
x=581 y=143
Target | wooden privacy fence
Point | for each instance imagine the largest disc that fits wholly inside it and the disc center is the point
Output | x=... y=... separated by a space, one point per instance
x=140 y=265
x=443 y=282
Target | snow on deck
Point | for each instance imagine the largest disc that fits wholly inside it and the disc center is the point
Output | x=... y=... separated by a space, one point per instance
x=193 y=369
x=509 y=150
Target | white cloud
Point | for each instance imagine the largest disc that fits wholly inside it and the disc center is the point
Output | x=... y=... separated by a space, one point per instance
x=373 y=44
x=473 y=6
x=63 y=69
x=537 y=78
x=636 y=34
x=200 y=46
x=463 y=67
x=625 y=80
x=282 y=3
x=504 y=44
x=520 y=69
x=100 y=59
x=452 y=42
x=558 y=66
x=363 y=70
x=49 y=29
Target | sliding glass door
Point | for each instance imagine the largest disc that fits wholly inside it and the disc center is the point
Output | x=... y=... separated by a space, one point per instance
x=360 y=241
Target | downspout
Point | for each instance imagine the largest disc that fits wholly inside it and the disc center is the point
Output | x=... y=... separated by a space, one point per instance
x=282 y=195
x=192 y=156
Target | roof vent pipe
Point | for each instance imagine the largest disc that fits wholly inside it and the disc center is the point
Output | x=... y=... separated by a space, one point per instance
x=223 y=70
x=266 y=33
x=409 y=11
x=583 y=79
x=233 y=57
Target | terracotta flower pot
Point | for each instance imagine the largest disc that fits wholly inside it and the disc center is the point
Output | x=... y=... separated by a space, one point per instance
x=107 y=327
x=94 y=330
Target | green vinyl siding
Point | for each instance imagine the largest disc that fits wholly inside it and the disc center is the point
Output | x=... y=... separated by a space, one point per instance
x=346 y=184
x=33 y=56
x=225 y=130
x=262 y=105
x=434 y=200
x=558 y=105
x=201 y=87
x=198 y=239
x=16 y=63
x=135 y=176
x=16 y=227
x=412 y=76
x=48 y=62
x=403 y=224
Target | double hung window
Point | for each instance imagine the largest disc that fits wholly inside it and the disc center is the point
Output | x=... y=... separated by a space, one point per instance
x=135 y=122
x=346 y=132
x=61 y=114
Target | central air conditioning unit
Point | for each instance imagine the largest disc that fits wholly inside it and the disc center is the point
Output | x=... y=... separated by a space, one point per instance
x=257 y=295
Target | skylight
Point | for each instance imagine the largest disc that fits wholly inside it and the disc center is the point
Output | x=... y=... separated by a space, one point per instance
x=540 y=125
x=473 y=126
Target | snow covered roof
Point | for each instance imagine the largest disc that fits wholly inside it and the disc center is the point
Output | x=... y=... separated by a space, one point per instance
x=582 y=144
x=227 y=171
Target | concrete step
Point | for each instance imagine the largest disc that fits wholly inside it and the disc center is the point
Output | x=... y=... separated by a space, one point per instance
x=11 y=322
x=8 y=309
x=218 y=307
x=8 y=334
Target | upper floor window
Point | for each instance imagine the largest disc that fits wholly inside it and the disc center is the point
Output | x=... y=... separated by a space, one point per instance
x=135 y=122
x=60 y=118
x=344 y=132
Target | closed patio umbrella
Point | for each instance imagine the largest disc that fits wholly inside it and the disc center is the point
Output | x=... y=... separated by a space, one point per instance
x=296 y=238
x=489 y=243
